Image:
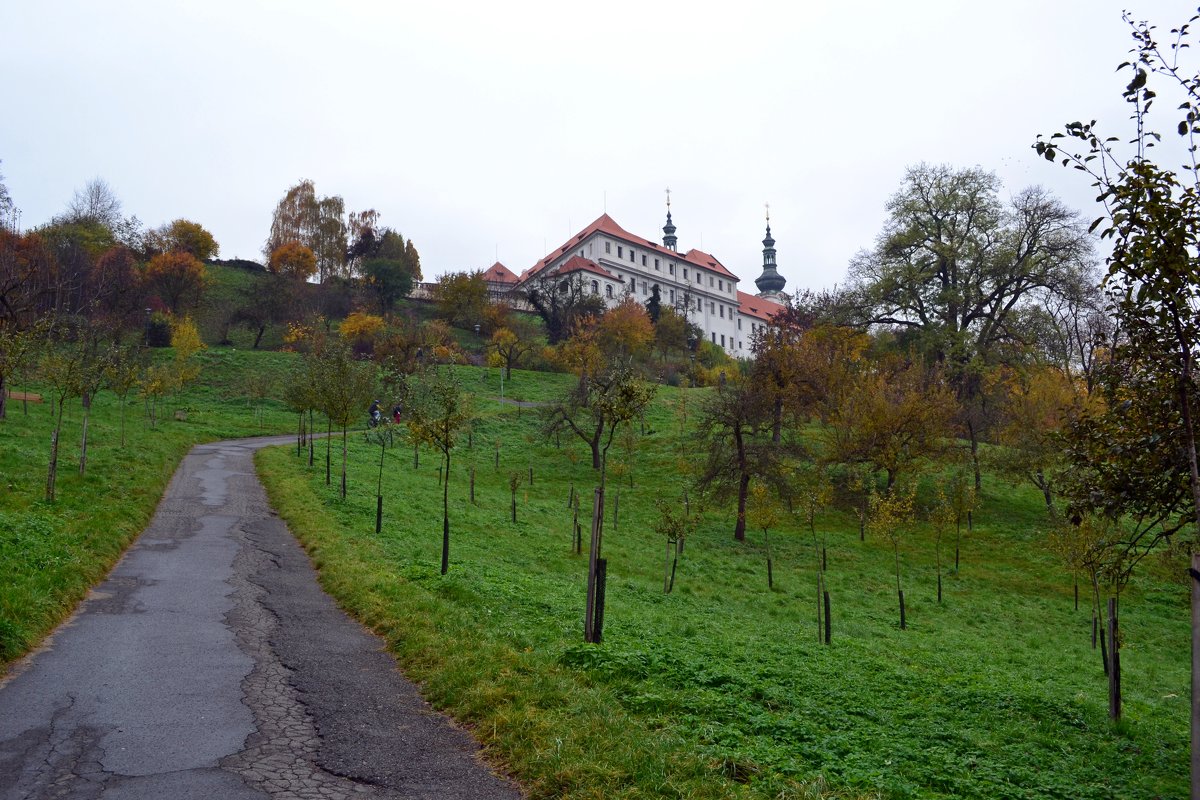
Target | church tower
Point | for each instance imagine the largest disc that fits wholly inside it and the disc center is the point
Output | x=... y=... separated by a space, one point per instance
x=770 y=284
x=669 y=239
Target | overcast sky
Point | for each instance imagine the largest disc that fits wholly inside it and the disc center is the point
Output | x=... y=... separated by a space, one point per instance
x=485 y=129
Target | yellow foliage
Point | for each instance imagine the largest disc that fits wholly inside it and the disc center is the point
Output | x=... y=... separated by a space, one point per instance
x=360 y=327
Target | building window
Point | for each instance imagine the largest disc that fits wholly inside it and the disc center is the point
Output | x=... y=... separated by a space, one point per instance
x=712 y=307
x=672 y=297
x=722 y=340
x=722 y=308
x=684 y=271
x=608 y=247
x=710 y=281
x=620 y=251
x=608 y=289
x=739 y=344
x=714 y=337
x=672 y=269
x=631 y=256
x=656 y=264
x=595 y=287
x=721 y=285
x=644 y=262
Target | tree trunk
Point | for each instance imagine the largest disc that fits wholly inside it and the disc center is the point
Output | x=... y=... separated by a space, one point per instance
x=974 y=436
x=3 y=397
x=258 y=337
x=739 y=530
x=446 y=518
x=328 y=451
x=52 y=470
x=1114 y=661
x=87 y=412
x=344 y=449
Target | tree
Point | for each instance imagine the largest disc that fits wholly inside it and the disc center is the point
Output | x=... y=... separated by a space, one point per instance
x=96 y=202
x=61 y=366
x=1034 y=412
x=27 y=268
x=122 y=373
x=890 y=414
x=7 y=208
x=561 y=301
x=317 y=223
x=264 y=303
x=177 y=278
x=764 y=514
x=344 y=388
x=508 y=347
x=387 y=280
x=670 y=333
x=293 y=260
x=461 y=298
x=958 y=268
x=735 y=426
x=185 y=236
x=17 y=348
x=891 y=514
x=597 y=406
x=625 y=331
x=438 y=413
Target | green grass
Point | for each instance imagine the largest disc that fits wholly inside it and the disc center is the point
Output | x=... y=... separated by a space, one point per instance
x=51 y=553
x=721 y=689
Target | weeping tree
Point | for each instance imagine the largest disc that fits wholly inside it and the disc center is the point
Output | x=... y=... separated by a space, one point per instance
x=439 y=411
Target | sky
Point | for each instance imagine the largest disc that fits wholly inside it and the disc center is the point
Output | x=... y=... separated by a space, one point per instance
x=488 y=130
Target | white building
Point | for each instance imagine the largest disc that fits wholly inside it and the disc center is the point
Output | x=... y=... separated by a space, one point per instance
x=614 y=263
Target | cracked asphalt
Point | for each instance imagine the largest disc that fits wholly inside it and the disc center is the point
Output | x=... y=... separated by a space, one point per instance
x=211 y=665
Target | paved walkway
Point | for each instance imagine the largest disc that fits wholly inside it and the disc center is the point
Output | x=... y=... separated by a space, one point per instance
x=210 y=665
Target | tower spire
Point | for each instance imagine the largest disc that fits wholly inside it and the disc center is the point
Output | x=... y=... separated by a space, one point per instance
x=770 y=283
x=669 y=238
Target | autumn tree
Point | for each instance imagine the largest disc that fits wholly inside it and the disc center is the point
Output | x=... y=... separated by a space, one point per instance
x=1035 y=410
x=293 y=260
x=177 y=278
x=185 y=236
x=317 y=223
x=508 y=346
x=18 y=348
x=625 y=331
x=670 y=333
x=61 y=368
x=958 y=268
x=438 y=413
x=890 y=518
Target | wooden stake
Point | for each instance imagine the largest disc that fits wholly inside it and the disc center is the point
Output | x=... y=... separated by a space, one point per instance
x=1114 y=660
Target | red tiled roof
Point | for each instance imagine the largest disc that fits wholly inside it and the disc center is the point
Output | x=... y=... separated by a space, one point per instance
x=500 y=274
x=606 y=224
x=581 y=264
x=757 y=307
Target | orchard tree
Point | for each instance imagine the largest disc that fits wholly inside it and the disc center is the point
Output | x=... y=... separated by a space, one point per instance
x=735 y=431
x=625 y=331
x=507 y=348
x=17 y=350
x=345 y=388
x=438 y=414
x=890 y=518
x=598 y=405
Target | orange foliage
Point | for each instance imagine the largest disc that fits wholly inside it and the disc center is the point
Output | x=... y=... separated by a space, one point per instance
x=625 y=329
x=293 y=260
x=177 y=278
x=360 y=327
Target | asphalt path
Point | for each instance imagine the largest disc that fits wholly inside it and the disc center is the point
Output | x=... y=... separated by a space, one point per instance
x=210 y=664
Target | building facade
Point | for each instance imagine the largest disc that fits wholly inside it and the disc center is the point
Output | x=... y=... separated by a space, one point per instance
x=614 y=264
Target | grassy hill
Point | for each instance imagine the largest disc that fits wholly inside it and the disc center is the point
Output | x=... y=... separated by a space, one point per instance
x=721 y=688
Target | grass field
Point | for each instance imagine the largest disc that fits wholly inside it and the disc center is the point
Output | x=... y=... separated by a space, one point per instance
x=51 y=553
x=721 y=689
